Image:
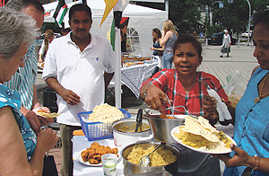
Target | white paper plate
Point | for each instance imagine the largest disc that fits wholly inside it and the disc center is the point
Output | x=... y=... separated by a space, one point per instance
x=202 y=150
x=40 y=65
x=37 y=113
x=79 y=158
x=87 y=163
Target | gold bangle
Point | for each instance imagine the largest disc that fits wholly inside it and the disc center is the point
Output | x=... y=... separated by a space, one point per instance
x=257 y=163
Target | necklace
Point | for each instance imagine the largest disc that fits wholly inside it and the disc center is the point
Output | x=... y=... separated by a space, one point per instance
x=262 y=88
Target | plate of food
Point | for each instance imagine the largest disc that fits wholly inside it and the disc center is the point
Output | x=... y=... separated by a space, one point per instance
x=198 y=135
x=41 y=65
x=92 y=156
x=45 y=112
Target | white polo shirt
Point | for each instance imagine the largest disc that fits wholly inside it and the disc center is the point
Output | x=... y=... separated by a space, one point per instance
x=81 y=72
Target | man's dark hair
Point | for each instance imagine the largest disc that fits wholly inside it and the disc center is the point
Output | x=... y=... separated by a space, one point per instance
x=80 y=7
x=18 y=5
x=261 y=17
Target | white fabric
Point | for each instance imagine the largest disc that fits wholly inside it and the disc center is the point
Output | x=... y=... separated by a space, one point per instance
x=81 y=72
x=226 y=40
x=134 y=76
x=42 y=48
x=222 y=109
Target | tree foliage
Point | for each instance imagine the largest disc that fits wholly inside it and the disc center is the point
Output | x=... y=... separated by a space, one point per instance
x=185 y=14
x=234 y=16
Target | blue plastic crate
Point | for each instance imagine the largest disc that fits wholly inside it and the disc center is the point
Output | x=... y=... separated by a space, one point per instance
x=97 y=130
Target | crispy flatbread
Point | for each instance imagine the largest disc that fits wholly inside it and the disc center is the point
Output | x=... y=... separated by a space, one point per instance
x=200 y=127
x=199 y=134
x=48 y=115
x=44 y=112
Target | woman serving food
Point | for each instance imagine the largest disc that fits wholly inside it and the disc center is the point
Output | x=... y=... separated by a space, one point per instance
x=185 y=86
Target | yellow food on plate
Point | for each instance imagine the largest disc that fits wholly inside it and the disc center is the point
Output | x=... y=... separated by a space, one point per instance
x=44 y=113
x=199 y=134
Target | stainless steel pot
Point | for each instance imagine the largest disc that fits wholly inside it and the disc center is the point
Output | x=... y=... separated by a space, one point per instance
x=131 y=169
x=122 y=139
x=189 y=161
x=161 y=128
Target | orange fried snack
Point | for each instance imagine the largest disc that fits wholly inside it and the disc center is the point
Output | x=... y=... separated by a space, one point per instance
x=94 y=153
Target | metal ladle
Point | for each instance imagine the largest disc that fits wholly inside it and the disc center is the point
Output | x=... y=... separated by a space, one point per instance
x=139 y=120
x=145 y=160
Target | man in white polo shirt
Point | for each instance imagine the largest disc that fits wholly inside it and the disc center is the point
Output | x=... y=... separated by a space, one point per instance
x=78 y=67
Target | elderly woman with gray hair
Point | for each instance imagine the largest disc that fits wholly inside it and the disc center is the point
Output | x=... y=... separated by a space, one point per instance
x=21 y=151
x=226 y=43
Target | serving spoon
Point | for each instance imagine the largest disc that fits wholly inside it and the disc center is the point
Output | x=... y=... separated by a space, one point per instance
x=139 y=120
x=145 y=160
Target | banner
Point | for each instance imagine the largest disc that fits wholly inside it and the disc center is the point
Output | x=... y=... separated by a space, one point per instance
x=109 y=6
x=60 y=12
x=2 y=3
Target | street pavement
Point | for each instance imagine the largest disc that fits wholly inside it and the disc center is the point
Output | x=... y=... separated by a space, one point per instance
x=240 y=63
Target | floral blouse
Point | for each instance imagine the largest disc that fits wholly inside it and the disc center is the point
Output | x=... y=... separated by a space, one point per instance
x=11 y=98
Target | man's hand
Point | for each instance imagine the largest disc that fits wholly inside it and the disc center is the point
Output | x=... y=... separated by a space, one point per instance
x=70 y=97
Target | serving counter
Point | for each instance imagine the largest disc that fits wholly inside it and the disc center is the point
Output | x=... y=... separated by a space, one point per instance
x=79 y=169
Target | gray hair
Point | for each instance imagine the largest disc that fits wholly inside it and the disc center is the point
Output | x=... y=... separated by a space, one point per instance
x=19 y=5
x=16 y=29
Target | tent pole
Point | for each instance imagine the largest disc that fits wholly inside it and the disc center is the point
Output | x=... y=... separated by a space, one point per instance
x=117 y=69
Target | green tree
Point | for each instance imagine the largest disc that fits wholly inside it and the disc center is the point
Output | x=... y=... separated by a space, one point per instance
x=185 y=14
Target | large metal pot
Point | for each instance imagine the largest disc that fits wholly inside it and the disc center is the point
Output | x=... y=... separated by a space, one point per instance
x=122 y=139
x=131 y=169
x=161 y=128
x=189 y=161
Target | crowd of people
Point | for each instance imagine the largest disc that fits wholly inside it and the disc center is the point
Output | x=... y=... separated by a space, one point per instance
x=79 y=71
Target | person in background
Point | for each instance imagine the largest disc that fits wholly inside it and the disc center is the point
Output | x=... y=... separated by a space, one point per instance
x=23 y=80
x=157 y=48
x=79 y=70
x=123 y=34
x=185 y=86
x=65 y=31
x=21 y=150
x=251 y=124
x=48 y=37
x=226 y=43
x=167 y=41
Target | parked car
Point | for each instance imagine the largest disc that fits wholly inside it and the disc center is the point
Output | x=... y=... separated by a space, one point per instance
x=246 y=34
x=216 y=39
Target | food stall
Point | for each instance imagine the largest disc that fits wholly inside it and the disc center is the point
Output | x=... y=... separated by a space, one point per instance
x=176 y=137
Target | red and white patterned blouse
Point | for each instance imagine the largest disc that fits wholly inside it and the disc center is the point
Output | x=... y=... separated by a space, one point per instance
x=167 y=80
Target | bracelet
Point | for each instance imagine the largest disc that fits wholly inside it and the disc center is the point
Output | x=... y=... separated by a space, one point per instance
x=257 y=162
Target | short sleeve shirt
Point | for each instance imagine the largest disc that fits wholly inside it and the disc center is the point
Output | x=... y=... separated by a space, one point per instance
x=79 y=71
x=168 y=81
x=11 y=98
x=24 y=79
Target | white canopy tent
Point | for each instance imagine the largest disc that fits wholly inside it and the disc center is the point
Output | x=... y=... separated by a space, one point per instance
x=141 y=19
